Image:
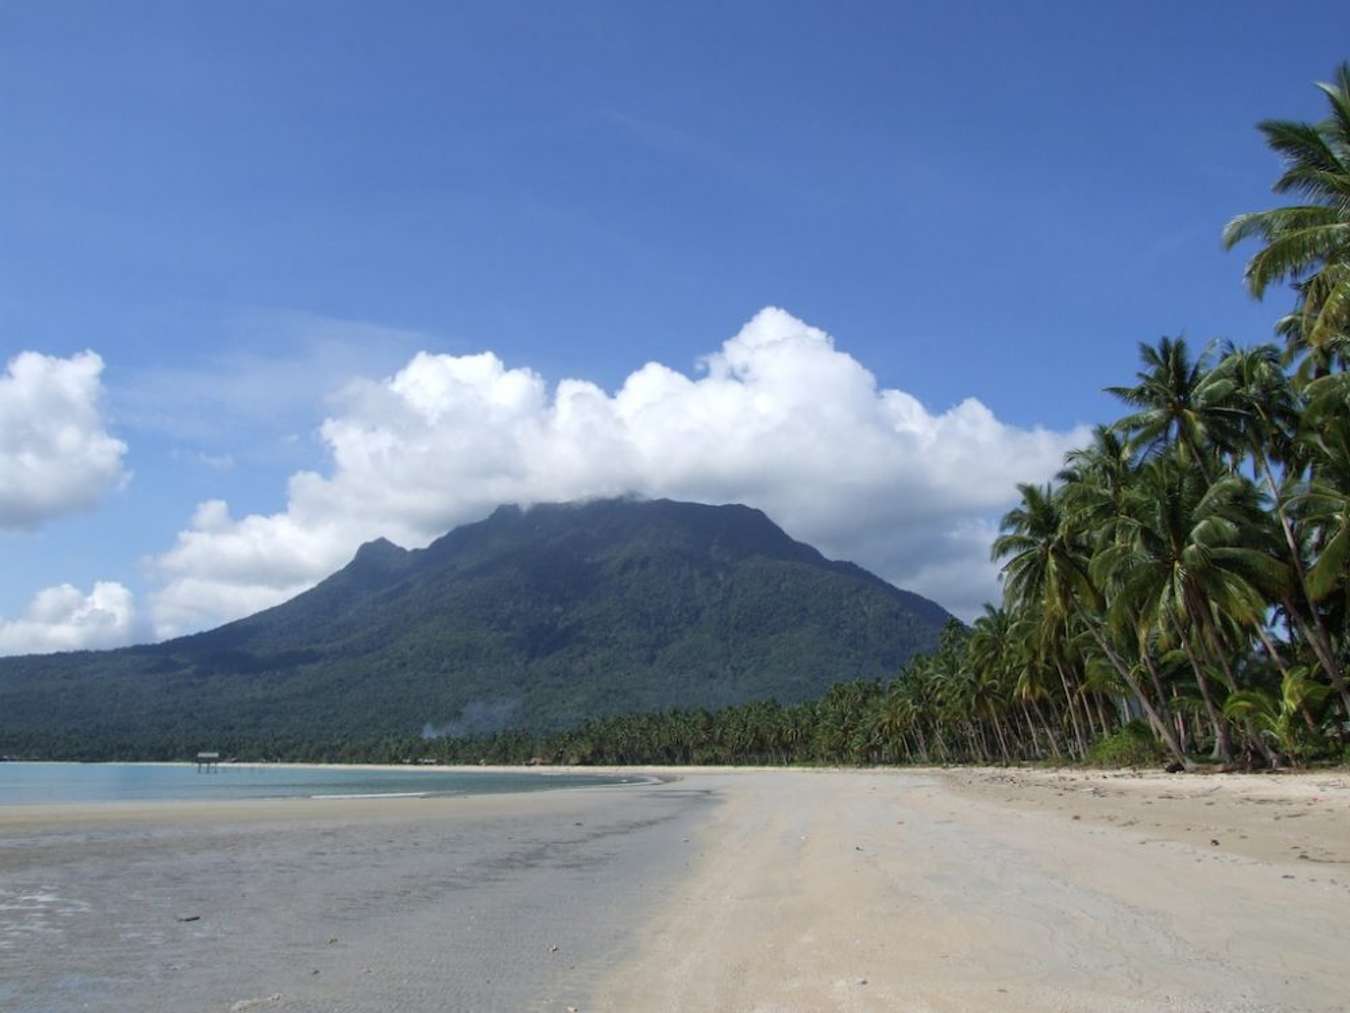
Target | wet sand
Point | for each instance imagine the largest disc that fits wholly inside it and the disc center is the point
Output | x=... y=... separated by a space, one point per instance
x=746 y=890
x=509 y=902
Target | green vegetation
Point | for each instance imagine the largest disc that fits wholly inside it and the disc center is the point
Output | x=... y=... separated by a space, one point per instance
x=1180 y=592
x=1131 y=745
x=537 y=619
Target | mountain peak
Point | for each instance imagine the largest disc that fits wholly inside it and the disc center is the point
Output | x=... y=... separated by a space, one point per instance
x=379 y=550
x=546 y=614
x=725 y=528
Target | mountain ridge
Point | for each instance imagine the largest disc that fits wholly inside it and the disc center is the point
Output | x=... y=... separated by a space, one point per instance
x=541 y=616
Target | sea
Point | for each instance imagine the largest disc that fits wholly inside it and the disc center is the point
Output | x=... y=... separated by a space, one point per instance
x=28 y=783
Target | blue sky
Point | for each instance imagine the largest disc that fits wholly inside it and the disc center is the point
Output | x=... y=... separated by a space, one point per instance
x=243 y=207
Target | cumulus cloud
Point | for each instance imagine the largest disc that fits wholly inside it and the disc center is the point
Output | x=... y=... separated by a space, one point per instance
x=56 y=456
x=778 y=418
x=63 y=618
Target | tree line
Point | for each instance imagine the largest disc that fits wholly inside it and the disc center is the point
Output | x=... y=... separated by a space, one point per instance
x=1180 y=591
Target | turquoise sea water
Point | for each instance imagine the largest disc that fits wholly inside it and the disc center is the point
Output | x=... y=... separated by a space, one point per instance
x=140 y=782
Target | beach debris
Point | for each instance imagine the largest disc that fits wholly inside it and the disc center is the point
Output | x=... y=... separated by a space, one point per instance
x=857 y=847
x=1214 y=841
x=243 y=1005
x=553 y=948
x=571 y=1009
x=1174 y=767
x=862 y=981
x=189 y=918
x=332 y=940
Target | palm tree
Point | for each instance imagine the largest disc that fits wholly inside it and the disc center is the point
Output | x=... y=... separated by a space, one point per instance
x=1196 y=554
x=1046 y=570
x=1179 y=402
x=1042 y=562
x=988 y=655
x=1330 y=354
x=1324 y=505
x=1096 y=480
x=1309 y=243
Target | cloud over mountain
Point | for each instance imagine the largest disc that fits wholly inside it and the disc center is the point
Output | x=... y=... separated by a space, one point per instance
x=63 y=618
x=56 y=455
x=777 y=418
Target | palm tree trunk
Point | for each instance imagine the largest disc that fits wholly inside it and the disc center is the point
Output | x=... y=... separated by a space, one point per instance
x=1154 y=676
x=1160 y=726
x=1271 y=652
x=1073 y=711
x=1048 y=729
x=1101 y=716
x=998 y=731
x=1316 y=635
x=1031 y=727
x=979 y=744
x=1223 y=748
x=1272 y=758
x=1322 y=649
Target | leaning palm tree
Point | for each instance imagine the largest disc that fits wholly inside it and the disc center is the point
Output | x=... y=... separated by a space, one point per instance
x=1046 y=572
x=1307 y=244
x=1324 y=506
x=1197 y=555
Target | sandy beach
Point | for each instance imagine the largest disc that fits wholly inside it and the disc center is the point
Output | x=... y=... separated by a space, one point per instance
x=999 y=890
x=716 y=890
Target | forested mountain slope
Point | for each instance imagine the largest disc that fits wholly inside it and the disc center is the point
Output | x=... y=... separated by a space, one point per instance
x=533 y=618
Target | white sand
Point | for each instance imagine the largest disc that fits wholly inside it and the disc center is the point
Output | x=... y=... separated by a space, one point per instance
x=800 y=890
x=931 y=891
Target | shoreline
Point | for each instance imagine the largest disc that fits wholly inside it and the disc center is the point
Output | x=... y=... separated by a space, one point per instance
x=28 y=812
x=712 y=888
x=1115 y=781
x=562 y=768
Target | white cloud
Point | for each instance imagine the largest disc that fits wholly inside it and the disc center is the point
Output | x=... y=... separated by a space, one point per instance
x=778 y=418
x=56 y=455
x=63 y=618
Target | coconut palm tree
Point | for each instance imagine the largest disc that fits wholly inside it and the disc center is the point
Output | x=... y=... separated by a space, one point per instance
x=1180 y=402
x=1046 y=569
x=1196 y=554
x=1308 y=243
x=1325 y=503
x=1332 y=353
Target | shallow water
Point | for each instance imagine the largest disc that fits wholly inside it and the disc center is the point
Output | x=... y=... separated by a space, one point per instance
x=27 y=783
